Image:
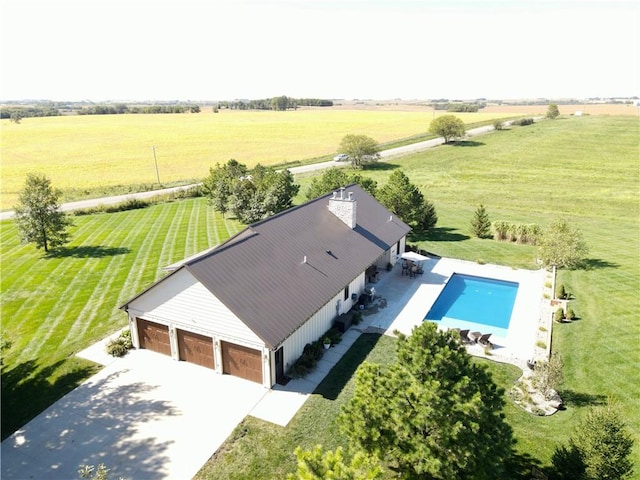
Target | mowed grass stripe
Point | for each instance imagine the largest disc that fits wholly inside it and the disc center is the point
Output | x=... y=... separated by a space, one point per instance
x=104 y=289
x=174 y=231
x=79 y=278
x=22 y=262
x=152 y=226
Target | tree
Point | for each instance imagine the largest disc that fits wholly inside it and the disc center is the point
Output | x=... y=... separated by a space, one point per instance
x=17 y=116
x=426 y=217
x=404 y=199
x=360 y=148
x=548 y=376
x=217 y=186
x=600 y=448
x=562 y=246
x=552 y=111
x=480 y=224
x=38 y=215
x=250 y=195
x=449 y=127
x=318 y=465
x=432 y=414
x=334 y=178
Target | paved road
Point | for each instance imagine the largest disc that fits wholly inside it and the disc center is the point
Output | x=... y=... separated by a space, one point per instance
x=392 y=152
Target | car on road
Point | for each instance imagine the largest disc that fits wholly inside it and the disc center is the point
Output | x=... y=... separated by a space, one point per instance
x=341 y=157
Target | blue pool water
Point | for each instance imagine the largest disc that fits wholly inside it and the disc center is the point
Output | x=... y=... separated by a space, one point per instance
x=477 y=303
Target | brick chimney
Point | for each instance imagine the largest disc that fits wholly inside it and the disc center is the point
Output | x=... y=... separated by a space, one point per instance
x=343 y=207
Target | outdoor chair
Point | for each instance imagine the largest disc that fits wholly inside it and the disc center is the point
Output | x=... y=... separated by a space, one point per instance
x=484 y=340
x=464 y=336
x=474 y=336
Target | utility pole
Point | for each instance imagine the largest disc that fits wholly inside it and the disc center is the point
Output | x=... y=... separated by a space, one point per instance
x=156 y=162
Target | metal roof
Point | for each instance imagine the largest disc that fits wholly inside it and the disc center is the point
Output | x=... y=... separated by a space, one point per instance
x=261 y=274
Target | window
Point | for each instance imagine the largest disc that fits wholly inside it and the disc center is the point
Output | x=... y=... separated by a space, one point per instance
x=346 y=292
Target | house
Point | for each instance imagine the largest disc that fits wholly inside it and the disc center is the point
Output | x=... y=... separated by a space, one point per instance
x=249 y=306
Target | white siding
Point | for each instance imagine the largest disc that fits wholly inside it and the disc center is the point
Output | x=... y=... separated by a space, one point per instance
x=182 y=302
x=319 y=323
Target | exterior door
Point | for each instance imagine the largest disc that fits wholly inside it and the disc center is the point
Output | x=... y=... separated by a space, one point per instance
x=154 y=336
x=195 y=348
x=241 y=361
x=279 y=365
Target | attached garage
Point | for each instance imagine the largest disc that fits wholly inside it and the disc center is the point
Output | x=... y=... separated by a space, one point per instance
x=195 y=348
x=154 y=336
x=243 y=362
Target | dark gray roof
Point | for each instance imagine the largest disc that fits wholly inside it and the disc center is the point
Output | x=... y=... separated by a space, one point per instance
x=260 y=274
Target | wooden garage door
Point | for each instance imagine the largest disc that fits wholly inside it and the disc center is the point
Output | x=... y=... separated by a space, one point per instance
x=154 y=336
x=196 y=348
x=242 y=362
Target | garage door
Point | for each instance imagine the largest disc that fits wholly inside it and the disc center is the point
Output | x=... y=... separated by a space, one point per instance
x=196 y=348
x=242 y=362
x=154 y=336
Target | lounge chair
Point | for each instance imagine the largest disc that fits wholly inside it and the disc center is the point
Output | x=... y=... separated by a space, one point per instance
x=464 y=336
x=484 y=340
x=474 y=336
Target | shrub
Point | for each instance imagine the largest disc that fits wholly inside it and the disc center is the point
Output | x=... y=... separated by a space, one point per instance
x=558 y=316
x=561 y=292
x=512 y=232
x=500 y=229
x=356 y=318
x=523 y=122
x=534 y=233
x=498 y=125
x=522 y=233
x=118 y=347
x=570 y=315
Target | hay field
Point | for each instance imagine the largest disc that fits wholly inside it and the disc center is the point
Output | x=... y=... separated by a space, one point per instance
x=87 y=152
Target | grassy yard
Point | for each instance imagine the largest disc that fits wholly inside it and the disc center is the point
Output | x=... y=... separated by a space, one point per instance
x=583 y=168
x=95 y=153
x=53 y=307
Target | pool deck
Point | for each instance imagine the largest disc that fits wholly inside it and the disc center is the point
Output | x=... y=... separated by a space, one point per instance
x=407 y=301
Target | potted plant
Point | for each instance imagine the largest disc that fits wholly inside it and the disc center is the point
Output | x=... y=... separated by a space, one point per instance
x=327 y=343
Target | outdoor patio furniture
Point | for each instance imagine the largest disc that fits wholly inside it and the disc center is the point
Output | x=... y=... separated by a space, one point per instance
x=474 y=336
x=484 y=340
x=464 y=336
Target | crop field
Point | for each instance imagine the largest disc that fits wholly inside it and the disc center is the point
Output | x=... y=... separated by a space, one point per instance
x=585 y=169
x=89 y=152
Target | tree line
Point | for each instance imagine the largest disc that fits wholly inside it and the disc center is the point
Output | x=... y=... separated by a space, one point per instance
x=121 y=108
x=275 y=103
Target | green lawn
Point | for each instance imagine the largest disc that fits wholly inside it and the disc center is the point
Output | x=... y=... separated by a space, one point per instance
x=583 y=168
x=53 y=307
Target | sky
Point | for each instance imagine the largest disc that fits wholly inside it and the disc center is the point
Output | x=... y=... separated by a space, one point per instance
x=194 y=50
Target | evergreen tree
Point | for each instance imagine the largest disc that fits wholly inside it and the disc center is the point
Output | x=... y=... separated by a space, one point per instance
x=318 y=465
x=480 y=224
x=601 y=449
x=434 y=413
x=403 y=198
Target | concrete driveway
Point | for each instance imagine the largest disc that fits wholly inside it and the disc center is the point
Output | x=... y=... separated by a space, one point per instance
x=144 y=416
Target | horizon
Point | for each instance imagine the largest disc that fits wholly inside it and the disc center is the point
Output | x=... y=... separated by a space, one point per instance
x=73 y=50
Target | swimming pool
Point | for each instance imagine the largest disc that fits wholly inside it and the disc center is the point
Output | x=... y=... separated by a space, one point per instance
x=475 y=303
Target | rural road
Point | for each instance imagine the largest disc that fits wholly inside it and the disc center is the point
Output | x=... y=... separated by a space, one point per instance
x=392 y=152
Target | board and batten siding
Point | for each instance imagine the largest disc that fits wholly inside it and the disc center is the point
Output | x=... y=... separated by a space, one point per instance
x=319 y=323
